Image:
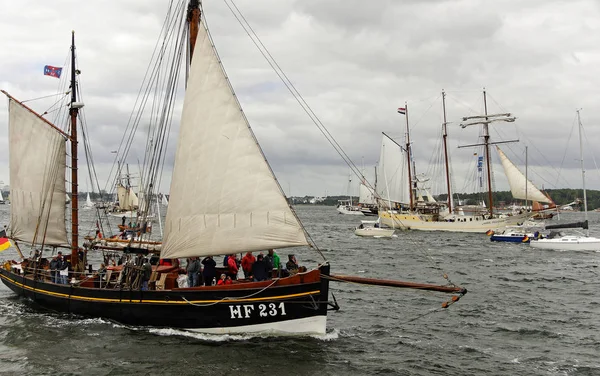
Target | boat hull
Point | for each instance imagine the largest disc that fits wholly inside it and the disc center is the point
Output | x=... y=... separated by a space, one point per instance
x=344 y=210
x=568 y=243
x=374 y=232
x=296 y=304
x=509 y=238
x=408 y=221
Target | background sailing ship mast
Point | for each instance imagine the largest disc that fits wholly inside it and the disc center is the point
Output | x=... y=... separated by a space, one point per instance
x=485 y=120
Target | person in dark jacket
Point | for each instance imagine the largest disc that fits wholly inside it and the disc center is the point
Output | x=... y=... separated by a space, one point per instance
x=147 y=269
x=54 y=269
x=193 y=271
x=292 y=265
x=260 y=269
x=210 y=270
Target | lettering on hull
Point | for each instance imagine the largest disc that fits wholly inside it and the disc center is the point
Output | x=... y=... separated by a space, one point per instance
x=246 y=311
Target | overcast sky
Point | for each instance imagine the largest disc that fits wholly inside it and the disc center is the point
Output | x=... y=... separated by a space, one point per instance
x=355 y=62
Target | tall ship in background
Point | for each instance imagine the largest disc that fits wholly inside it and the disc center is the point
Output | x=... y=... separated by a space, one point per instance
x=399 y=203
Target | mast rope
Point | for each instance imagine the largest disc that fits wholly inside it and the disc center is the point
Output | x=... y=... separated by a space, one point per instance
x=232 y=298
x=290 y=86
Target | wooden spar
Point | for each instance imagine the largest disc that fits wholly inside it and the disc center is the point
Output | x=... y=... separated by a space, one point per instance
x=193 y=19
x=73 y=111
x=486 y=138
x=401 y=284
x=445 y=137
x=36 y=114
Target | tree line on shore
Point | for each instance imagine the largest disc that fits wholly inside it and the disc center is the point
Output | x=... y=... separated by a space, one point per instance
x=559 y=196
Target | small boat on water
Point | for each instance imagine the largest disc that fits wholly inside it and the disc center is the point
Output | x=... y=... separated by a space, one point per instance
x=580 y=242
x=514 y=234
x=346 y=207
x=373 y=229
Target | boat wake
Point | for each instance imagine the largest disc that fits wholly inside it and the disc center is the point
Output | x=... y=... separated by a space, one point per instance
x=329 y=336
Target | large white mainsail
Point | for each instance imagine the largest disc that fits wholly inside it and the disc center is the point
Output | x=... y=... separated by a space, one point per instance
x=366 y=195
x=520 y=187
x=224 y=197
x=37 y=154
x=392 y=174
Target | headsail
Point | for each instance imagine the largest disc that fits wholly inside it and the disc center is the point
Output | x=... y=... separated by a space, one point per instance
x=37 y=178
x=224 y=197
x=520 y=187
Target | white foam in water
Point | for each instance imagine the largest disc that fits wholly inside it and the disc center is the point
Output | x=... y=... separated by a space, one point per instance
x=329 y=336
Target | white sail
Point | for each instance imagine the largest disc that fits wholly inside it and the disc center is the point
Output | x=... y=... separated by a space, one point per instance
x=366 y=195
x=223 y=197
x=37 y=178
x=88 y=201
x=392 y=174
x=127 y=198
x=520 y=187
x=1 y=197
x=133 y=199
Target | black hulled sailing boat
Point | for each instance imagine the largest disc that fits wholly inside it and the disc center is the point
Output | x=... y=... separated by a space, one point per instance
x=224 y=199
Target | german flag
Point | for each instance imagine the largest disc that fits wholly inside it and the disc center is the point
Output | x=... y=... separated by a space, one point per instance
x=525 y=239
x=489 y=232
x=4 y=242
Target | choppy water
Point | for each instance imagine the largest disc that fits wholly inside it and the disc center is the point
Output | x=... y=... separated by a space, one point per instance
x=528 y=312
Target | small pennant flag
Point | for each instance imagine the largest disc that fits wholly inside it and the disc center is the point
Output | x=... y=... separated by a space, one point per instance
x=4 y=242
x=49 y=70
x=402 y=110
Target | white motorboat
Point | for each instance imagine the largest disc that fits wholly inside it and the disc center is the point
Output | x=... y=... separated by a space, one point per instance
x=373 y=229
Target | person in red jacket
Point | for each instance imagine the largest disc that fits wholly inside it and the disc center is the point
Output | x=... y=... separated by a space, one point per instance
x=232 y=267
x=247 y=261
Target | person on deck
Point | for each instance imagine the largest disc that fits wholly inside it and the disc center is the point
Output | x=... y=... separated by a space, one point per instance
x=232 y=267
x=222 y=280
x=193 y=271
x=273 y=260
x=292 y=265
x=260 y=269
x=210 y=270
x=63 y=269
x=247 y=262
x=54 y=269
x=165 y=262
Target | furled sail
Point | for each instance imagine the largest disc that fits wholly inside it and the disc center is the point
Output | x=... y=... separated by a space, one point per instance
x=366 y=195
x=224 y=197
x=37 y=154
x=392 y=174
x=520 y=187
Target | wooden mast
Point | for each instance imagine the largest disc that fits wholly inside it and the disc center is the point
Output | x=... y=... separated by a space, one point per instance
x=408 y=157
x=73 y=111
x=193 y=19
x=445 y=137
x=486 y=141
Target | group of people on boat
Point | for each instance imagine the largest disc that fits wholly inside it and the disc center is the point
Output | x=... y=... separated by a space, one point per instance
x=260 y=268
